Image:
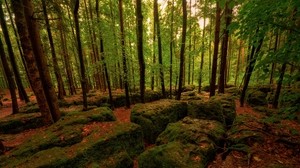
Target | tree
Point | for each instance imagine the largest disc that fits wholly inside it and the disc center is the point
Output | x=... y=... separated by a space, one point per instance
x=182 y=49
x=251 y=63
x=10 y=79
x=33 y=72
x=160 y=61
x=16 y=72
x=60 y=84
x=41 y=60
x=139 y=34
x=216 y=49
x=80 y=55
x=103 y=58
x=171 y=47
x=124 y=54
x=224 y=51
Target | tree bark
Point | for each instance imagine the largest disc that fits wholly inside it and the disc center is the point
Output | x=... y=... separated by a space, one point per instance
x=223 y=63
x=124 y=54
x=33 y=72
x=252 y=59
x=10 y=80
x=60 y=84
x=171 y=48
x=102 y=56
x=21 y=89
x=182 y=49
x=216 y=49
x=160 y=61
x=279 y=85
x=139 y=34
x=41 y=60
x=202 y=52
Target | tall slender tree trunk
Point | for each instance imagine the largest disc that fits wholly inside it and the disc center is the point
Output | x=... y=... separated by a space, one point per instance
x=224 y=52
x=279 y=85
x=41 y=60
x=274 y=64
x=139 y=34
x=65 y=53
x=202 y=51
x=80 y=55
x=182 y=49
x=60 y=84
x=124 y=54
x=190 y=44
x=252 y=60
x=160 y=61
x=238 y=63
x=216 y=50
x=10 y=79
x=102 y=56
x=21 y=89
x=153 y=55
x=17 y=37
x=171 y=47
x=33 y=72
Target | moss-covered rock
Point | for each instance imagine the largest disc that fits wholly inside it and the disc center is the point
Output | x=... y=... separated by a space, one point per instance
x=195 y=131
x=19 y=122
x=113 y=148
x=188 y=88
x=228 y=104
x=234 y=91
x=241 y=134
x=30 y=108
x=208 y=110
x=96 y=114
x=154 y=117
x=173 y=155
x=256 y=98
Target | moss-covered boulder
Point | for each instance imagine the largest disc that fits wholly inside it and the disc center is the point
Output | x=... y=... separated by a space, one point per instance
x=154 y=117
x=96 y=114
x=19 y=122
x=228 y=104
x=195 y=131
x=243 y=134
x=30 y=108
x=188 y=88
x=173 y=155
x=79 y=146
x=206 y=109
x=187 y=143
x=256 y=98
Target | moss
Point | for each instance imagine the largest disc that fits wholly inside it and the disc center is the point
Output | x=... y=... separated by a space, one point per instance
x=228 y=104
x=172 y=155
x=96 y=114
x=196 y=131
x=208 y=110
x=19 y=122
x=119 y=160
x=240 y=134
x=30 y=108
x=256 y=98
x=154 y=117
x=188 y=88
x=113 y=148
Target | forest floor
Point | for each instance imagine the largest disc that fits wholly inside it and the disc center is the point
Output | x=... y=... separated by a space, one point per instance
x=280 y=146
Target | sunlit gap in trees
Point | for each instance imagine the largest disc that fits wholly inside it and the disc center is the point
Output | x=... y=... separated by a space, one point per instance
x=195 y=8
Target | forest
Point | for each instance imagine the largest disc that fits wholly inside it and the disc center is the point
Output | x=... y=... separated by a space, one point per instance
x=153 y=83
